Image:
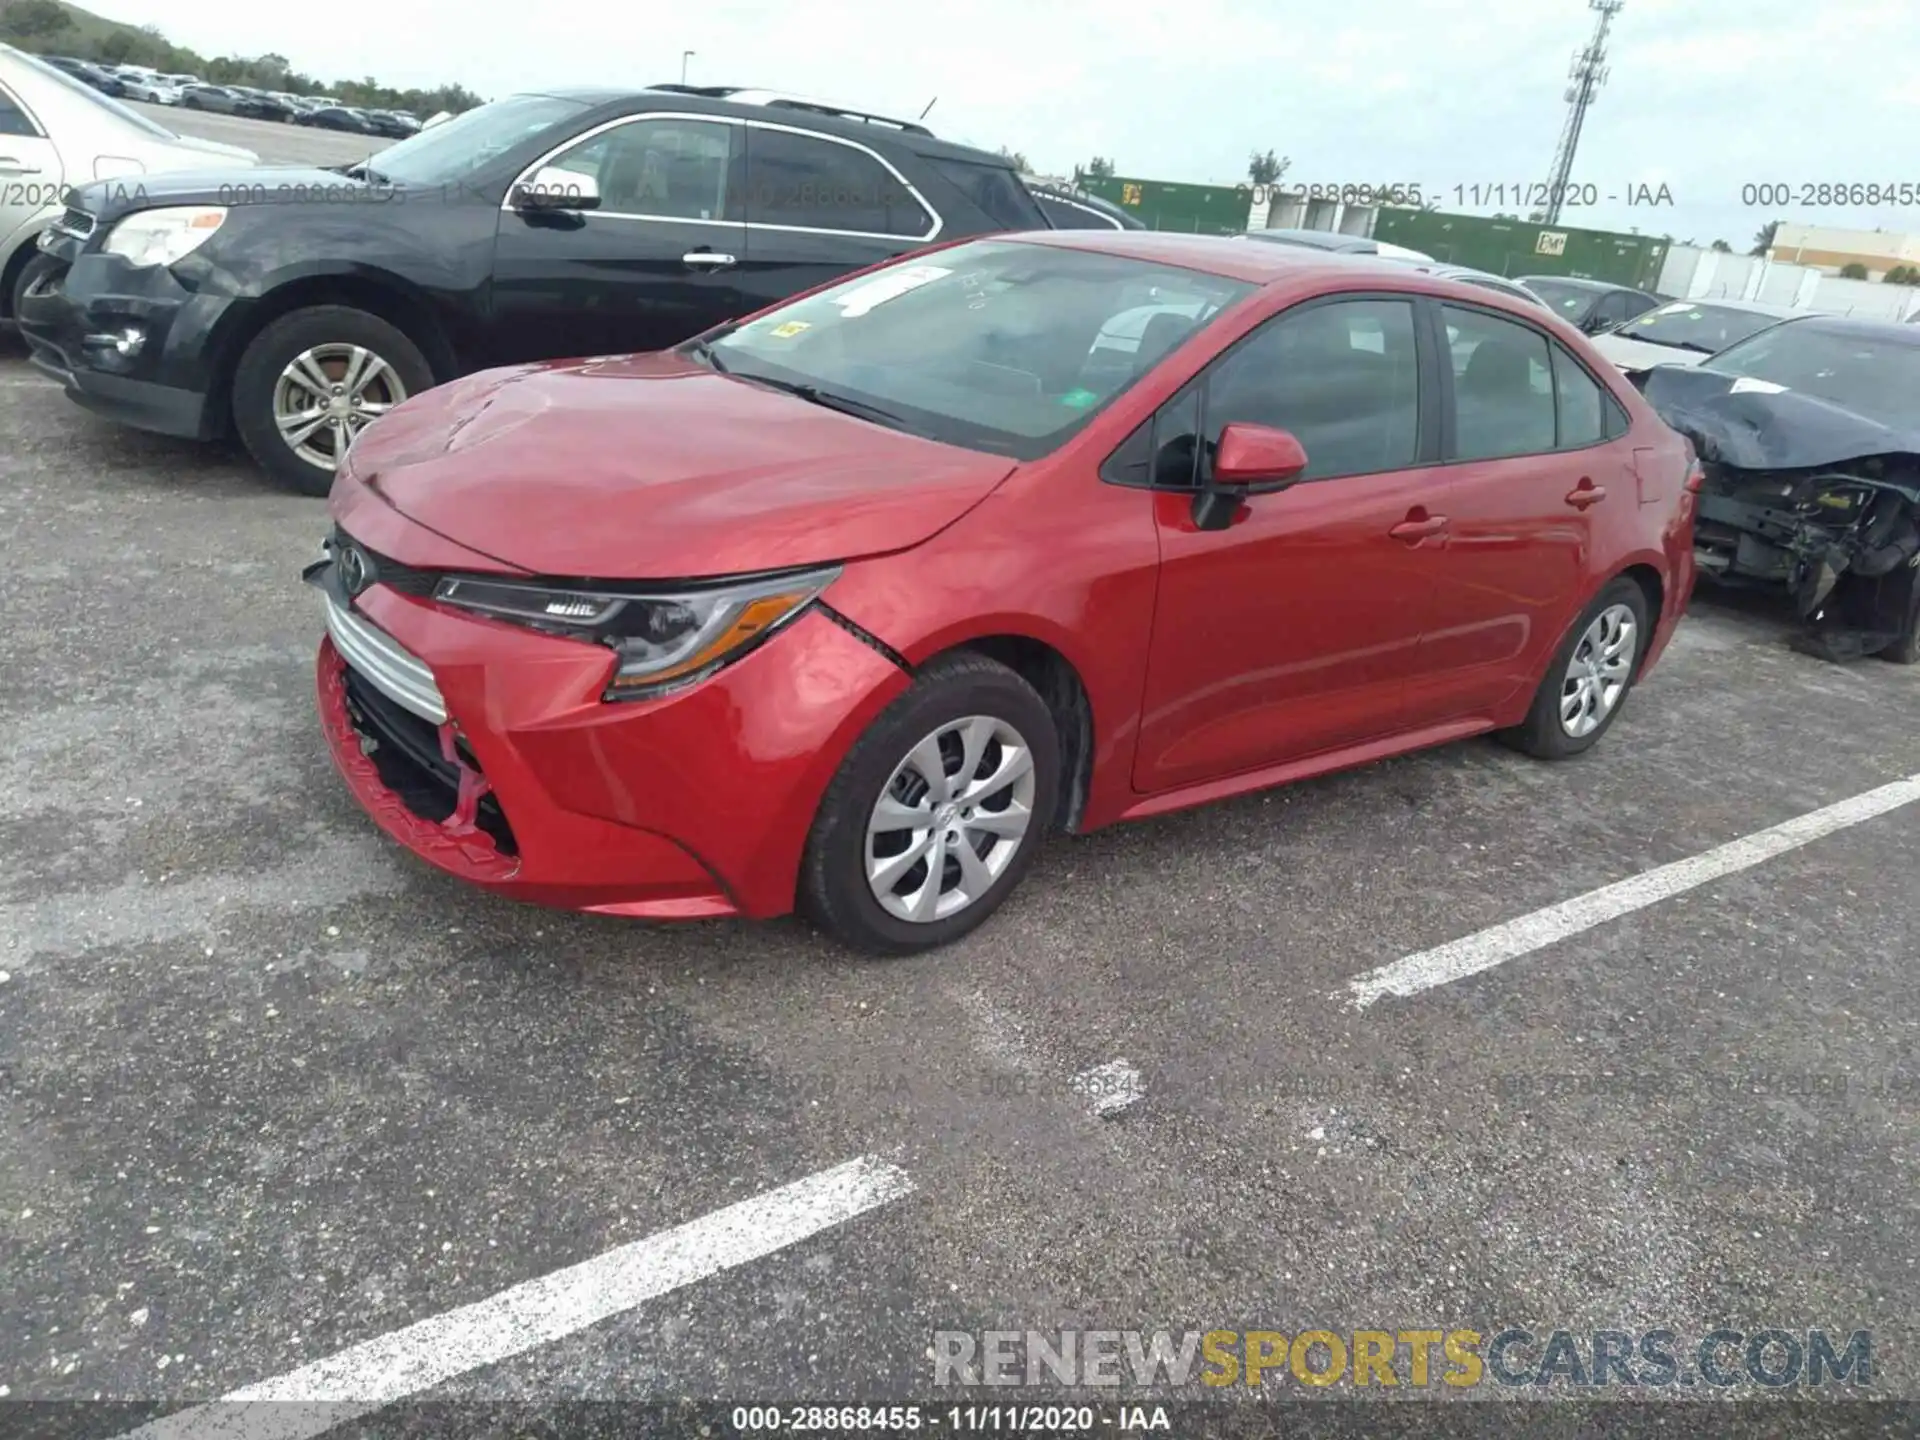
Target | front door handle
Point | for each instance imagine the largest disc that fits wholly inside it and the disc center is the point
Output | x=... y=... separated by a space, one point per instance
x=1418 y=526
x=9 y=165
x=1586 y=493
x=707 y=260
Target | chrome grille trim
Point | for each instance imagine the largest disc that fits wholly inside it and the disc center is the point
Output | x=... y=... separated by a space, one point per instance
x=386 y=664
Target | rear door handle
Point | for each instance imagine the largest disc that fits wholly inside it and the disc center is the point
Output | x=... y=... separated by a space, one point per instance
x=1586 y=493
x=707 y=260
x=1416 y=528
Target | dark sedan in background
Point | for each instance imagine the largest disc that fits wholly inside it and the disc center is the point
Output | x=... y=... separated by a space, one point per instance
x=222 y=100
x=1809 y=438
x=337 y=117
x=1592 y=306
x=101 y=79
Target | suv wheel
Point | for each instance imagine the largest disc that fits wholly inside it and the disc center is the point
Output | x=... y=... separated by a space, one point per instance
x=936 y=812
x=312 y=381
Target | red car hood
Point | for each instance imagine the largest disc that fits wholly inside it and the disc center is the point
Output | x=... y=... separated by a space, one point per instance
x=651 y=467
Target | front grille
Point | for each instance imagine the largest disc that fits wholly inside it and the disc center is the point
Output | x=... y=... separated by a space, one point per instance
x=405 y=750
x=400 y=674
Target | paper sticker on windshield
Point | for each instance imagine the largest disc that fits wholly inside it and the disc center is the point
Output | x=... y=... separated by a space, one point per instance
x=890 y=286
x=790 y=329
x=1747 y=385
x=1079 y=399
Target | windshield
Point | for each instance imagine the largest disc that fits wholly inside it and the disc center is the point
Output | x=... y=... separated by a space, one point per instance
x=457 y=148
x=1569 y=302
x=996 y=345
x=1708 y=329
x=1861 y=373
x=125 y=113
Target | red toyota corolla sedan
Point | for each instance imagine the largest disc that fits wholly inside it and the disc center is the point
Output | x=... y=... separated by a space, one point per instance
x=846 y=606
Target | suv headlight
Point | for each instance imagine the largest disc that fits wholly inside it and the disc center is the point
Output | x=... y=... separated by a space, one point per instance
x=160 y=237
x=662 y=641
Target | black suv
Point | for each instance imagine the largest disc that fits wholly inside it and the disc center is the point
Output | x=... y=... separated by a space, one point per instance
x=297 y=305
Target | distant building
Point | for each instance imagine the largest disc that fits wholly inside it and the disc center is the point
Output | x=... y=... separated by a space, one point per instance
x=1829 y=248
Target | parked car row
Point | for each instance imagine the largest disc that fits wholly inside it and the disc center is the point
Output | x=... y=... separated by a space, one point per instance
x=135 y=82
x=777 y=470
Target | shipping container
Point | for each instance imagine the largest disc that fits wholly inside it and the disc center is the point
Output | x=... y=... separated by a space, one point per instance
x=1165 y=205
x=1517 y=247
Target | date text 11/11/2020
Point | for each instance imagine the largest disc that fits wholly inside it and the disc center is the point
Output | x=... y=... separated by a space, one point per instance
x=1520 y=195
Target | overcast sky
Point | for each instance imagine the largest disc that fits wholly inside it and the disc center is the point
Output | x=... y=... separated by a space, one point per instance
x=1705 y=95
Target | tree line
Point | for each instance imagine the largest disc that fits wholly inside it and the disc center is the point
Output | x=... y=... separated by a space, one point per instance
x=46 y=27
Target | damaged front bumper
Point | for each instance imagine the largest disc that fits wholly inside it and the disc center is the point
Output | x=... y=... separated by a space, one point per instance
x=1819 y=509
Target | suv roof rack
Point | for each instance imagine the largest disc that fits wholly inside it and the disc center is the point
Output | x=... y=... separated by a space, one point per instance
x=780 y=100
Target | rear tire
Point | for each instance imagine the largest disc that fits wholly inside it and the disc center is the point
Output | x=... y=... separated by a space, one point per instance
x=887 y=841
x=1577 y=702
x=297 y=366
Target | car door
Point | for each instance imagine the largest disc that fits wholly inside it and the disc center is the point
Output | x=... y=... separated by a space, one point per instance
x=1532 y=441
x=1291 y=631
x=30 y=171
x=656 y=262
x=818 y=206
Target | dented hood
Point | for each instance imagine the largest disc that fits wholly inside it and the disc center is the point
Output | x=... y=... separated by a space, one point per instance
x=1756 y=425
x=652 y=467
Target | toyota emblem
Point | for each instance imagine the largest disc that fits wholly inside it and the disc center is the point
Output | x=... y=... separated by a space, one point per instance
x=353 y=569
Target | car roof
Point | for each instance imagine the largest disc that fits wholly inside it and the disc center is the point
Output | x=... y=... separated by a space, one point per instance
x=1748 y=307
x=1894 y=331
x=1225 y=256
x=1319 y=239
x=747 y=103
x=1579 y=282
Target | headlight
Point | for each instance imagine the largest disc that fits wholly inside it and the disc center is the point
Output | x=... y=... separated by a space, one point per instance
x=160 y=237
x=662 y=641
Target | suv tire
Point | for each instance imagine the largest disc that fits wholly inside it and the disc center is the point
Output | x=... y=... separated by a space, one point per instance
x=282 y=370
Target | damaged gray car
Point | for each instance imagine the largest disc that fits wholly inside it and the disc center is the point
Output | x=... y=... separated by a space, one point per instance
x=1809 y=435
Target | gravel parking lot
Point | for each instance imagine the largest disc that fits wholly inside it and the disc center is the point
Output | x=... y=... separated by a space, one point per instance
x=269 y=1089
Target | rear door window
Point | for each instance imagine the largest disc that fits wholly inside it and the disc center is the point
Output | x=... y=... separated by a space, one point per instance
x=995 y=191
x=814 y=183
x=1502 y=386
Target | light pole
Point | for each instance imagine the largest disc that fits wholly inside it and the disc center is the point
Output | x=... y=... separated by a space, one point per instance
x=685 y=55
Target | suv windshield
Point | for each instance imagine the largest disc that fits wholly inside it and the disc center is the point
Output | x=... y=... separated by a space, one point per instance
x=455 y=149
x=998 y=345
x=126 y=114
x=1862 y=373
x=1708 y=329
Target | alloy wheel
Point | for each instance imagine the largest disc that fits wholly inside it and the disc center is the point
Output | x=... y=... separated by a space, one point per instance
x=327 y=395
x=950 y=819
x=1599 y=670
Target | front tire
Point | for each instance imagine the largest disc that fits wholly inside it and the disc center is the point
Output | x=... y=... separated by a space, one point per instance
x=936 y=812
x=312 y=380
x=36 y=270
x=1587 y=683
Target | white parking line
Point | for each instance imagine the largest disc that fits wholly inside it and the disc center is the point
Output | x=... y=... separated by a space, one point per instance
x=377 y=1372
x=1484 y=949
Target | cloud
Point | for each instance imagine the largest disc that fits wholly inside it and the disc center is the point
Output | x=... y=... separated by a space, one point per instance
x=1439 y=92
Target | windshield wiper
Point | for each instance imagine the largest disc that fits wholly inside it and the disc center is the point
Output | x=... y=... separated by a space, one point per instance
x=365 y=171
x=1675 y=344
x=703 y=350
x=827 y=400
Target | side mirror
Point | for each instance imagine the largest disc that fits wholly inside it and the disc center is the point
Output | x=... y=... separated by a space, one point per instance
x=551 y=188
x=1249 y=460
